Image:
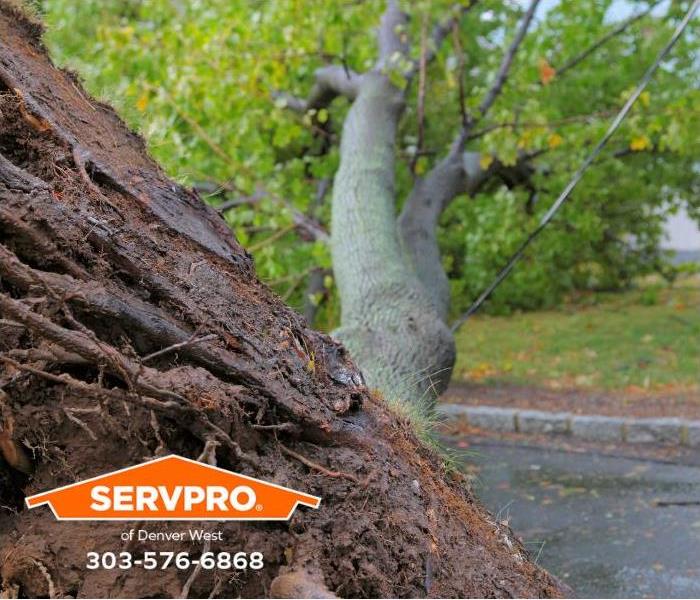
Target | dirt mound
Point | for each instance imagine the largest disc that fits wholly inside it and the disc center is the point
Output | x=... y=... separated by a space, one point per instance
x=104 y=262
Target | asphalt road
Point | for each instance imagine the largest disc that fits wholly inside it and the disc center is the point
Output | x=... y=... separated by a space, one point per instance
x=609 y=527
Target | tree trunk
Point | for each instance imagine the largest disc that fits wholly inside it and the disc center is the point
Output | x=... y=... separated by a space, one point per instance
x=457 y=173
x=105 y=262
x=389 y=321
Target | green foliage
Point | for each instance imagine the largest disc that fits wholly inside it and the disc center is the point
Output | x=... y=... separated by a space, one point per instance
x=198 y=80
x=650 y=296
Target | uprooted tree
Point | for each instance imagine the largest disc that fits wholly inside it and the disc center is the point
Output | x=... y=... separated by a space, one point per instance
x=132 y=325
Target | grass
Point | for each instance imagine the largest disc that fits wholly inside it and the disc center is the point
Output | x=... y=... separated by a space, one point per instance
x=425 y=424
x=648 y=339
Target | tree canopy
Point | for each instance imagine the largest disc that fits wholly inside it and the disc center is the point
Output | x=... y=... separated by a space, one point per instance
x=210 y=83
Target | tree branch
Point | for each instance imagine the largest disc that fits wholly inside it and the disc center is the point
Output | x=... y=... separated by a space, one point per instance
x=455 y=174
x=239 y=201
x=585 y=117
x=458 y=173
x=507 y=61
x=622 y=27
x=306 y=224
x=331 y=81
x=501 y=77
x=440 y=32
x=460 y=60
x=421 y=96
x=391 y=36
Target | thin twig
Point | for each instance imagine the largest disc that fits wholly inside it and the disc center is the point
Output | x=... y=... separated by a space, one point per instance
x=304 y=223
x=295 y=285
x=240 y=201
x=272 y=238
x=291 y=278
x=194 y=124
x=542 y=125
x=460 y=73
x=442 y=30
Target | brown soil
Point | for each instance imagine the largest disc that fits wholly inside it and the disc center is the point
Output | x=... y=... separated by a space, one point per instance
x=577 y=401
x=103 y=261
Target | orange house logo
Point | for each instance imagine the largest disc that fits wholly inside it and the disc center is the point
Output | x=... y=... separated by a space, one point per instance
x=173 y=488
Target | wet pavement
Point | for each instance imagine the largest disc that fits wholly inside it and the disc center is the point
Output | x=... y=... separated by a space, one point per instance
x=608 y=526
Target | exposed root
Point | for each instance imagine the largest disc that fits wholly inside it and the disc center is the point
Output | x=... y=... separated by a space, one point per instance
x=286 y=427
x=156 y=432
x=83 y=345
x=208 y=454
x=45 y=572
x=92 y=389
x=200 y=425
x=82 y=424
x=321 y=469
x=189 y=342
x=48 y=353
x=185 y=592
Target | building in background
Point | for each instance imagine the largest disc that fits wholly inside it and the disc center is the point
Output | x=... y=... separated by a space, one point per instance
x=683 y=237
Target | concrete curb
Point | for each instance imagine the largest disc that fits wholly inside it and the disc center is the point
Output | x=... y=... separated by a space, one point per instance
x=597 y=428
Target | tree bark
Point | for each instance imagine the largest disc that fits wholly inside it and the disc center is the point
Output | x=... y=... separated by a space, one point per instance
x=389 y=322
x=456 y=174
x=133 y=326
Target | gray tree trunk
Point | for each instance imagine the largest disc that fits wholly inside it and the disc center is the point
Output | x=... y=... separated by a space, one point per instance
x=390 y=323
x=459 y=172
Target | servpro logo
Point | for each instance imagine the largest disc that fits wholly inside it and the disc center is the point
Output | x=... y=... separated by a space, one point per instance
x=172 y=488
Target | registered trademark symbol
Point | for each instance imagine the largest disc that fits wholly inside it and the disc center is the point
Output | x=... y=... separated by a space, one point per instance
x=258 y=507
